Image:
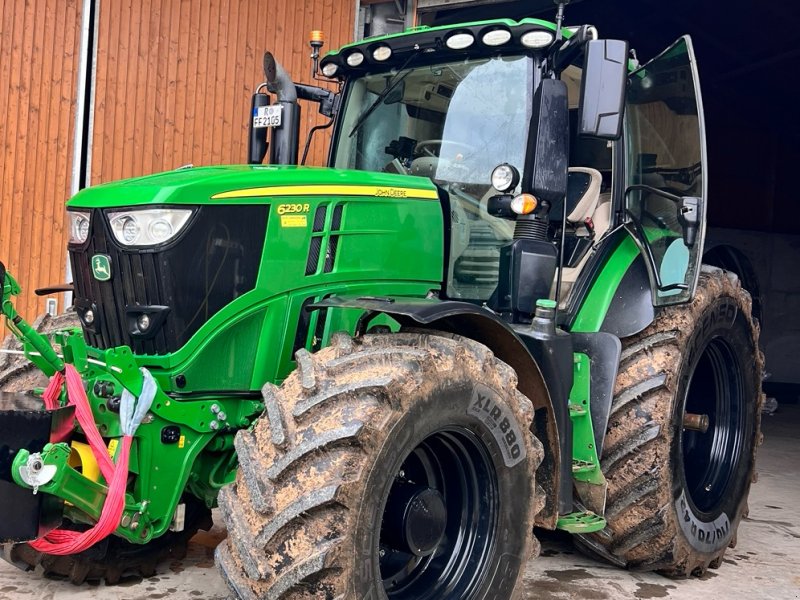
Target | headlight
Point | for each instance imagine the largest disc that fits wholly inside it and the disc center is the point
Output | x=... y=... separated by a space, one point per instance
x=382 y=53
x=78 y=226
x=505 y=178
x=329 y=69
x=459 y=41
x=537 y=39
x=147 y=227
x=355 y=59
x=496 y=37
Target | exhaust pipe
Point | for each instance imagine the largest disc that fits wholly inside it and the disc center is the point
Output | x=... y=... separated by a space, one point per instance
x=285 y=138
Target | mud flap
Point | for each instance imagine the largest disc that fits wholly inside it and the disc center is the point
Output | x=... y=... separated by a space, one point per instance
x=23 y=515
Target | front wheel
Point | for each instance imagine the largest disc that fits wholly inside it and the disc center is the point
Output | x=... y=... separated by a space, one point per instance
x=387 y=467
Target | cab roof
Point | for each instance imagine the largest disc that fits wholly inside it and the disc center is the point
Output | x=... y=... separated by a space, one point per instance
x=432 y=41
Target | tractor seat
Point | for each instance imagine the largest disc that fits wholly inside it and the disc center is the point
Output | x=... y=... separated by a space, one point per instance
x=583 y=194
x=584 y=201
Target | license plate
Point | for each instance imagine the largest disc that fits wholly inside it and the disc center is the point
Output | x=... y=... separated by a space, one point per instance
x=267 y=116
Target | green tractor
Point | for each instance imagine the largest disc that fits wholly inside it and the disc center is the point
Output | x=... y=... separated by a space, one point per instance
x=487 y=313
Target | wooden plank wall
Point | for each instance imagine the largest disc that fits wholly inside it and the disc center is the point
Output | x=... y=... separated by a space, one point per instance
x=39 y=47
x=174 y=78
x=172 y=86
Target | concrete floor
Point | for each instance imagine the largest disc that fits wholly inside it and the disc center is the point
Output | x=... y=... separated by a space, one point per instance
x=762 y=566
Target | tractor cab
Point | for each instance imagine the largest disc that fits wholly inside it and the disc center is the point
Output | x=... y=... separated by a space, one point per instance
x=520 y=126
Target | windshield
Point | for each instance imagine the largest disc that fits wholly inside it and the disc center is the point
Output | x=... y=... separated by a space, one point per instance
x=453 y=122
x=470 y=114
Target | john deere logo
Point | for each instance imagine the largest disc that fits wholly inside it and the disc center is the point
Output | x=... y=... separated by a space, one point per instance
x=101 y=267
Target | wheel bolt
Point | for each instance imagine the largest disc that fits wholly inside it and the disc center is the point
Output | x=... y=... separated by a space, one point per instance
x=695 y=422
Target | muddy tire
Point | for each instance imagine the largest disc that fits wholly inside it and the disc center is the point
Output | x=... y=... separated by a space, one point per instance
x=112 y=558
x=390 y=466
x=676 y=495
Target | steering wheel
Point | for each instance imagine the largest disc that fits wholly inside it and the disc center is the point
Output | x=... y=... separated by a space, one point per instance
x=427 y=147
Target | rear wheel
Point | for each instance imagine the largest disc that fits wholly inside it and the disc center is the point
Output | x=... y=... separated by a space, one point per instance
x=391 y=466
x=111 y=558
x=680 y=448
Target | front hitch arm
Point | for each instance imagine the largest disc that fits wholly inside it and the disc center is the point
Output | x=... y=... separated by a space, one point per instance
x=36 y=345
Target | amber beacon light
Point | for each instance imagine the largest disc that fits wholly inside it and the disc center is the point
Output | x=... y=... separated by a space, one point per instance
x=316 y=41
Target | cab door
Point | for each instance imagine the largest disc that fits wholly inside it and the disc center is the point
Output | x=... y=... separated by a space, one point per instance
x=665 y=191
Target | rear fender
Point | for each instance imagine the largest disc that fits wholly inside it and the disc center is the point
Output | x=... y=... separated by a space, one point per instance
x=478 y=324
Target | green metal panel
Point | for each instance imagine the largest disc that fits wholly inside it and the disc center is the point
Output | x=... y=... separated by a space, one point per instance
x=595 y=305
x=198 y=185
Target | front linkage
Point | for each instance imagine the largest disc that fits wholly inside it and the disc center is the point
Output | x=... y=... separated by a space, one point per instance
x=181 y=446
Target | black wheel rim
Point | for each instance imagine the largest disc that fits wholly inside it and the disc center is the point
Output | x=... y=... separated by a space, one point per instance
x=711 y=459
x=450 y=470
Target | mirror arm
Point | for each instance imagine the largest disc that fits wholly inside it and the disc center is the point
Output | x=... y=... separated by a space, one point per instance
x=325 y=98
x=562 y=54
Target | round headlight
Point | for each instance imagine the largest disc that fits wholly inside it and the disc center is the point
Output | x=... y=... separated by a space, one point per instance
x=83 y=229
x=88 y=316
x=459 y=41
x=537 y=39
x=130 y=230
x=382 y=53
x=355 y=59
x=160 y=230
x=498 y=37
x=329 y=69
x=505 y=178
x=524 y=204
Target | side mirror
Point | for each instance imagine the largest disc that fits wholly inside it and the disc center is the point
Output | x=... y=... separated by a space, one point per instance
x=548 y=152
x=602 y=103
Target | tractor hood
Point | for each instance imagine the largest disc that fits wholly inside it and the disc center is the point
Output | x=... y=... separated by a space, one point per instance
x=261 y=241
x=248 y=184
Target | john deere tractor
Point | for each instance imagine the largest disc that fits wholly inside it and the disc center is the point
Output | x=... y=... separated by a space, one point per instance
x=487 y=313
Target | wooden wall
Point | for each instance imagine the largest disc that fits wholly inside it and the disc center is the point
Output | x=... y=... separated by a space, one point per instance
x=173 y=82
x=174 y=79
x=39 y=48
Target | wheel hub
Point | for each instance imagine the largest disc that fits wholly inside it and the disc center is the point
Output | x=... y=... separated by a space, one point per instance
x=439 y=522
x=418 y=520
x=714 y=425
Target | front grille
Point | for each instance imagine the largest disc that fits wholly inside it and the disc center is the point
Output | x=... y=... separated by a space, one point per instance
x=213 y=261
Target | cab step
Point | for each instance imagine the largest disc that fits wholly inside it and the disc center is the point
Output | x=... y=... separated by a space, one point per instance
x=581 y=522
